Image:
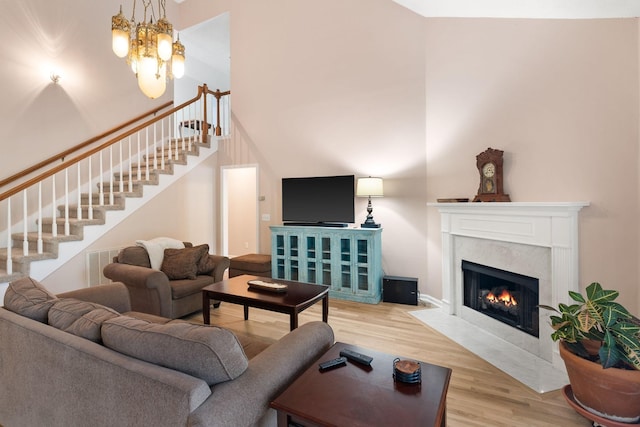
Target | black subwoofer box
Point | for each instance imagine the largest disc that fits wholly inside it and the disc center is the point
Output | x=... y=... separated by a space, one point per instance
x=401 y=290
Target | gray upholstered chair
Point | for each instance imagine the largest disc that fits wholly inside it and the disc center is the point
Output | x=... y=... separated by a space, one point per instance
x=173 y=291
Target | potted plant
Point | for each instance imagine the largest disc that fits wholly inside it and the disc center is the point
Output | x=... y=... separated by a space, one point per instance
x=600 y=346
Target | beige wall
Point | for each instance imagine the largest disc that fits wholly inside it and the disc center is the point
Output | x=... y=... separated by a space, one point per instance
x=97 y=90
x=561 y=98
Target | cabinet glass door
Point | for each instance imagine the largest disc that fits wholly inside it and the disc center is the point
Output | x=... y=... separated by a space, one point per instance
x=325 y=262
x=311 y=259
x=345 y=264
x=293 y=256
x=280 y=256
x=362 y=254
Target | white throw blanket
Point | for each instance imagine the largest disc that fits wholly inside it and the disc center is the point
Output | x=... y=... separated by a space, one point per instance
x=155 y=248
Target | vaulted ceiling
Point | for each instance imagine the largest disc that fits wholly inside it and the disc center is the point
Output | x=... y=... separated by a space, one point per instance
x=560 y=9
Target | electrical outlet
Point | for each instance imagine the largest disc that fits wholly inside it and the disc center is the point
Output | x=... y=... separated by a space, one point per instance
x=266 y=217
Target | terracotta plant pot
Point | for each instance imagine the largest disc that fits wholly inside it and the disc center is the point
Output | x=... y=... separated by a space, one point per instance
x=610 y=393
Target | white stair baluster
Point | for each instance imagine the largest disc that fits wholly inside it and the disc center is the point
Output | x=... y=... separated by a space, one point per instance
x=112 y=174
x=25 y=242
x=181 y=132
x=66 y=202
x=121 y=167
x=162 y=143
x=101 y=181
x=79 y=208
x=40 y=217
x=9 y=242
x=54 y=209
x=90 y=211
x=155 y=147
x=130 y=166
x=139 y=156
x=146 y=150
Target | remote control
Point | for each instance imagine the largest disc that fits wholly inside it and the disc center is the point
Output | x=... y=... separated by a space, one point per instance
x=333 y=363
x=356 y=357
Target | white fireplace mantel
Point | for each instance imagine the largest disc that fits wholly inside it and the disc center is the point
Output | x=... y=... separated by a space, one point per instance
x=548 y=224
x=536 y=239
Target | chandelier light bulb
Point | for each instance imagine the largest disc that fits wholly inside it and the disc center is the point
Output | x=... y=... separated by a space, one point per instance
x=120 y=43
x=165 y=39
x=152 y=80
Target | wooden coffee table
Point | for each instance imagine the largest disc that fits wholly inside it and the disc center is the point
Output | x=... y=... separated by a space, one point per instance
x=298 y=297
x=354 y=395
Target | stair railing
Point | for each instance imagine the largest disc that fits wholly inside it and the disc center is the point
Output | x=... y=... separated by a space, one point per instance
x=130 y=157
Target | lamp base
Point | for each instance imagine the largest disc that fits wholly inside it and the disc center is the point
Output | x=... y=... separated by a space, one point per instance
x=374 y=225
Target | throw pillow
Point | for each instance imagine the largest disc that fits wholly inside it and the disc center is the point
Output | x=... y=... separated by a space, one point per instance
x=206 y=265
x=210 y=353
x=182 y=263
x=29 y=298
x=80 y=318
x=134 y=255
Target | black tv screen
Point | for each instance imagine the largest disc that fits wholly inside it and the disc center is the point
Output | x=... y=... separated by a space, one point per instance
x=318 y=200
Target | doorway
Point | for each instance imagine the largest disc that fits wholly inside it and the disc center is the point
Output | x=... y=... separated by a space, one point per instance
x=239 y=210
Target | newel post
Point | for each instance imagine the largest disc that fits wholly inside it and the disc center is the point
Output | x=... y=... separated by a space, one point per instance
x=204 y=128
x=218 y=95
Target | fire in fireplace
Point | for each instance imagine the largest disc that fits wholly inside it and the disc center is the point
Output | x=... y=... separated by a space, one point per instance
x=508 y=297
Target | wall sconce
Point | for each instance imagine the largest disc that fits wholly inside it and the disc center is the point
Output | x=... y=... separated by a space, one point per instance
x=369 y=187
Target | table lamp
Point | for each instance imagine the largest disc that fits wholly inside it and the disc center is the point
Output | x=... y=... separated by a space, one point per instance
x=369 y=187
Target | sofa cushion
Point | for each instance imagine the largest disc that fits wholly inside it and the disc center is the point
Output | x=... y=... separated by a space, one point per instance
x=29 y=298
x=181 y=288
x=182 y=263
x=80 y=318
x=134 y=255
x=210 y=353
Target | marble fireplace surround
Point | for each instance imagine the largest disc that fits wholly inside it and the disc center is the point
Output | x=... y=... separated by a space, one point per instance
x=536 y=239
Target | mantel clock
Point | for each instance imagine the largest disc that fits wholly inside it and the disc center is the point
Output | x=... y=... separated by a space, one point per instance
x=489 y=164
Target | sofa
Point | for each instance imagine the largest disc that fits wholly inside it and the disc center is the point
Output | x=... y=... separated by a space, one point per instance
x=83 y=358
x=172 y=287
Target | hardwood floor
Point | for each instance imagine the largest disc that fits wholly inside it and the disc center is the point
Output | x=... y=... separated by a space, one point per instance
x=479 y=393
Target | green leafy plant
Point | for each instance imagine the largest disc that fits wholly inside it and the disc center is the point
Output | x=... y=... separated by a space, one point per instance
x=599 y=318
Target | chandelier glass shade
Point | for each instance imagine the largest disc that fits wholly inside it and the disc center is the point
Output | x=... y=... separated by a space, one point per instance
x=148 y=47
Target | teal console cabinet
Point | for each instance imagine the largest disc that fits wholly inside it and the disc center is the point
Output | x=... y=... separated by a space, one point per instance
x=349 y=260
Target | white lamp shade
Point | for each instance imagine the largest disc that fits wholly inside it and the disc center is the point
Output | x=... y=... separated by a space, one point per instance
x=177 y=66
x=165 y=46
x=120 y=42
x=149 y=82
x=369 y=187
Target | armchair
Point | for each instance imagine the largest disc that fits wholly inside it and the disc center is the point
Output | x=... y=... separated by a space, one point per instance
x=174 y=290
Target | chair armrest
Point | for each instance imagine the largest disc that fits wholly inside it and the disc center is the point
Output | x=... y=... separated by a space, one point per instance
x=113 y=295
x=268 y=374
x=149 y=289
x=221 y=263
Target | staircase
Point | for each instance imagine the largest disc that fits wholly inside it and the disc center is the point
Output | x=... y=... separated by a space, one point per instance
x=111 y=181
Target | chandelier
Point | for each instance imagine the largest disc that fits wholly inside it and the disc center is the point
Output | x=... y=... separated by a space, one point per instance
x=148 y=47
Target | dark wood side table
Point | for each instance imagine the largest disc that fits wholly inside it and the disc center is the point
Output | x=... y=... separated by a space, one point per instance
x=299 y=296
x=354 y=395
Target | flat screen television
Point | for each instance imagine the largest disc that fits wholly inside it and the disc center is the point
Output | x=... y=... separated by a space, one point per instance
x=321 y=200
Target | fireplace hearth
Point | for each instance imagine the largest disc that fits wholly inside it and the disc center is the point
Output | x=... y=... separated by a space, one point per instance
x=508 y=297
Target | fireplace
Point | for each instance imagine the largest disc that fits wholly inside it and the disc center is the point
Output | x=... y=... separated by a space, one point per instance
x=538 y=240
x=508 y=297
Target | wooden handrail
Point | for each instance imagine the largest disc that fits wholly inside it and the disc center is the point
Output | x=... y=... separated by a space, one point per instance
x=66 y=164
x=63 y=154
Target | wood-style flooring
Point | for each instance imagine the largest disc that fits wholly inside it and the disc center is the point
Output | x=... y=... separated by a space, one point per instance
x=479 y=393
